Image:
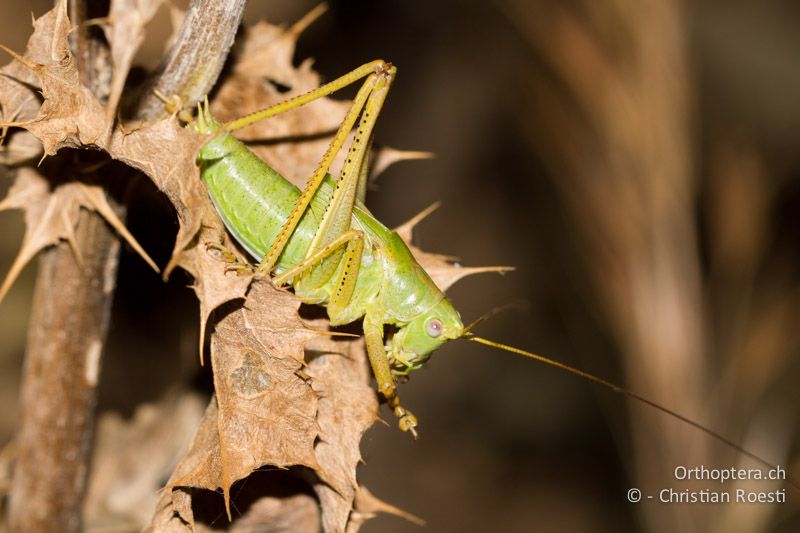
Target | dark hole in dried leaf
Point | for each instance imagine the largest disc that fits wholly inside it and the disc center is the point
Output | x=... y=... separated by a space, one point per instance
x=135 y=88
x=209 y=507
x=224 y=310
x=280 y=87
x=151 y=218
x=204 y=378
x=315 y=316
x=310 y=313
x=311 y=355
x=70 y=165
x=150 y=336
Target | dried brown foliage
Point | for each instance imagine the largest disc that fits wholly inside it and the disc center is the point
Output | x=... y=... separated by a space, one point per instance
x=274 y=407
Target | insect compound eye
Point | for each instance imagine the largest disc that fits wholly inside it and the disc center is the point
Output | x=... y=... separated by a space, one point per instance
x=434 y=327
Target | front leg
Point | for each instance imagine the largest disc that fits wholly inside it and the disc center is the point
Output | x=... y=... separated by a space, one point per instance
x=373 y=333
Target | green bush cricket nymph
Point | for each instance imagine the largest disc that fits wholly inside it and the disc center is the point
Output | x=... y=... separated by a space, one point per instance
x=334 y=254
x=327 y=245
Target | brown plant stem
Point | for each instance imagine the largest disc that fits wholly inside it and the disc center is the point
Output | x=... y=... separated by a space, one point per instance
x=69 y=321
x=194 y=62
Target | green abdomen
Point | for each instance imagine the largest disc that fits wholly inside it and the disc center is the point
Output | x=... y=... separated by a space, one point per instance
x=254 y=202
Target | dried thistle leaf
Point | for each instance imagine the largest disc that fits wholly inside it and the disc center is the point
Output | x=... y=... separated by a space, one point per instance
x=264 y=413
x=125 y=34
x=367 y=505
x=268 y=52
x=51 y=216
x=70 y=115
x=19 y=95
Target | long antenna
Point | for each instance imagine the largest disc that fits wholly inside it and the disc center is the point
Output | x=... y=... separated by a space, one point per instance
x=629 y=394
x=492 y=313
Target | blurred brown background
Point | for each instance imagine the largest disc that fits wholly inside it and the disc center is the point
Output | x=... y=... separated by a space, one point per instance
x=637 y=162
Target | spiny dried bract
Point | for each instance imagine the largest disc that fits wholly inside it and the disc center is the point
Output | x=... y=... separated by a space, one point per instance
x=51 y=216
